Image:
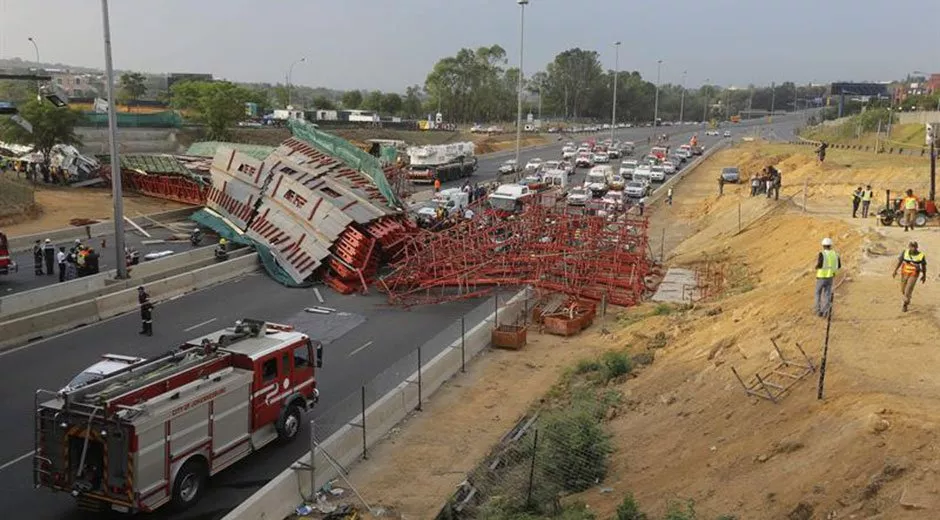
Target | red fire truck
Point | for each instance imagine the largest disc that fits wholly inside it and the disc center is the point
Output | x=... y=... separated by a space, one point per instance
x=154 y=432
x=7 y=265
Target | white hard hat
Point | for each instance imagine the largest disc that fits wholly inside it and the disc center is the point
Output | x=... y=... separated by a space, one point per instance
x=826 y=242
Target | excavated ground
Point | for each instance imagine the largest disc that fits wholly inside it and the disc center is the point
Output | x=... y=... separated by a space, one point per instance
x=686 y=429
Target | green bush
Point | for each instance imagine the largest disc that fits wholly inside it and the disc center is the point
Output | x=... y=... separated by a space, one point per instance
x=573 y=448
x=663 y=309
x=616 y=364
x=587 y=365
x=680 y=511
x=629 y=509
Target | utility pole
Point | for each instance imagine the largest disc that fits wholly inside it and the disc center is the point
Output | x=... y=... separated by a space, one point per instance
x=613 y=116
x=659 y=67
x=682 y=98
x=116 y=188
x=522 y=4
x=705 y=105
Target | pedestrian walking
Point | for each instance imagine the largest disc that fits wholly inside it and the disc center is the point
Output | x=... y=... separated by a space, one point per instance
x=60 y=259
x=912 y=263
x=755 y=185
x=867 y=195
x=48 y=253
x=669 y=196
x=641 y=205
x=721 y=186
x=909 y=204
x=37 y=258
x=856 y=200
x=777 y=182
x=828 y=264
x=437 y=185
x=146 y=312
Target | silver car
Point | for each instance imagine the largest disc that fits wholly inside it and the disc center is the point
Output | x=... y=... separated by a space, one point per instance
x=577 y=197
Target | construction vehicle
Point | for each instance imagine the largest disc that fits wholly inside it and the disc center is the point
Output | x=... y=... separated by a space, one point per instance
x=893 y=212
x=7 y=265
x=152 y=433
x=445 y=162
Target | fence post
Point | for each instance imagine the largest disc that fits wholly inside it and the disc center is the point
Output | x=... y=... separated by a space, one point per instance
x=496 y=310
x=313 y=456
x=365 y=454
x=463 y=347
x=662 y=247
x=535 y=446
x=419 y=379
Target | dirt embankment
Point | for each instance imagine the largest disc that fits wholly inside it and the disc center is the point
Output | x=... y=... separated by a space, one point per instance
x=54 y=208
x=686 y=429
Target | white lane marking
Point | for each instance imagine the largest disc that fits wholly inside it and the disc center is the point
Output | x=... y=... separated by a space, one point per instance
x=196 y=326
x=18 y=459
x=354 y=352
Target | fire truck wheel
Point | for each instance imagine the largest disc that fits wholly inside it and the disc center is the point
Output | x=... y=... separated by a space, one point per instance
x=289 y=424
x=189 y=483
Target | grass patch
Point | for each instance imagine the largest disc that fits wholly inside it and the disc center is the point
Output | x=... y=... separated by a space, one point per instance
x=663 y=309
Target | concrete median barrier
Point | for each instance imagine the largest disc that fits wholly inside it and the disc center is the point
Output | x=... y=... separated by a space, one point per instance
x=44 y=298
x=280 y=496
x=122 y=298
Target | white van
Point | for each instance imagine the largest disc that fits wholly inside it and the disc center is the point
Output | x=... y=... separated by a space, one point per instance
x=643 y=175
x=453 y=200
x=596 y=180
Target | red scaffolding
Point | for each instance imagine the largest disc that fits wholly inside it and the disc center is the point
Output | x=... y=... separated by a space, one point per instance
x=546 y=246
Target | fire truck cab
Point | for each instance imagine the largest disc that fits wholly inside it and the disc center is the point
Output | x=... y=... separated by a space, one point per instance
x=154 y=432
x=7 y=265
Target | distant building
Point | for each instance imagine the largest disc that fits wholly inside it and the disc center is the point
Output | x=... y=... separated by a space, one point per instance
x=78 y=85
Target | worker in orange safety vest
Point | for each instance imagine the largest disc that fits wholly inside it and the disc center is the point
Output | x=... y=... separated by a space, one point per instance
x=909 y=205
x=912 y=263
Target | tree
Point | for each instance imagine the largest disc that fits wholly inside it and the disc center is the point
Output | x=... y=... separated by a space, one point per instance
x=411 y=105
x=352 y=99
x=133 y=86
x=17 y=92
x=373 y=101
x=216 y=104
x=323 y=103
x=51 y=126
x=391 y=103
x=472 y=86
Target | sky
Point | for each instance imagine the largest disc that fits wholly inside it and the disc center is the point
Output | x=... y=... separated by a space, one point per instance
x=390 y=44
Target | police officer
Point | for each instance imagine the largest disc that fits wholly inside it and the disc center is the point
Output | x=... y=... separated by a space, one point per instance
x=146 y=311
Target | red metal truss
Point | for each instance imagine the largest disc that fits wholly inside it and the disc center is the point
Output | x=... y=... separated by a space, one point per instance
x=168 y=187
x=548 y=247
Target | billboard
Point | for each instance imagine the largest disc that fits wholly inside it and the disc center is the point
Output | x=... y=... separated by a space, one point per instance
x=859 y=89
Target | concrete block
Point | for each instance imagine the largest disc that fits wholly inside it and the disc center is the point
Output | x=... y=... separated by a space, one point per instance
x=279 y=497
x=22 y=330
x=18 y=303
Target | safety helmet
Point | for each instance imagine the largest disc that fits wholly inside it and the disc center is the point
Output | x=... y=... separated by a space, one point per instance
x=827 y=242
x=196 y=230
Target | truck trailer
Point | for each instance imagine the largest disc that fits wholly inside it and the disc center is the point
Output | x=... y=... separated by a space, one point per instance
x=153 y=433
x=445 y=162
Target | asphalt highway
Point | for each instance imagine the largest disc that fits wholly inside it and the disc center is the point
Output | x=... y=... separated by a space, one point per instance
x=369 y=344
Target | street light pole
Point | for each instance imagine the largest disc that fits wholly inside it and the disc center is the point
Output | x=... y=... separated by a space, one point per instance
x=522 y=4
x=613 y=115
x=705 y=106
x=290 y=73
x=116 y=189
x=38 y=82
x=659 y=67
x=682 y=98
x=773 y=101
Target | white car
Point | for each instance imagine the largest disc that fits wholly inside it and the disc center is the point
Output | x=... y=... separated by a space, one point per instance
x=551 y=165
x=635 y=189
x=628 y=167
x=577 y=197
x=727 y=133
x=657 y=173
x=669 y=168
x=596 y=181
x=613 y=152
x=711 y=132
x=567 y=167
x=509 y=166
x=584 y=161
x=685 y=154
x=601 y=158
x=109 y=364
x=533 y=164
x=568 y=153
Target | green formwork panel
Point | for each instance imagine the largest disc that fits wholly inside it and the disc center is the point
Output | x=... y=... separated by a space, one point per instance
x=167 y=119
x=208 y=149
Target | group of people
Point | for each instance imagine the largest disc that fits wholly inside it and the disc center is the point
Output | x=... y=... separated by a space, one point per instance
x=80 y=260
x=767 y=183
x=861 y=197
x=33 y=171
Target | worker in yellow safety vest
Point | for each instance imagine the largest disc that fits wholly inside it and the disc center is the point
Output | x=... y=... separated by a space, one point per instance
x=912 y=263
x=828 y=264
x=909 y=204
x=867 y=195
